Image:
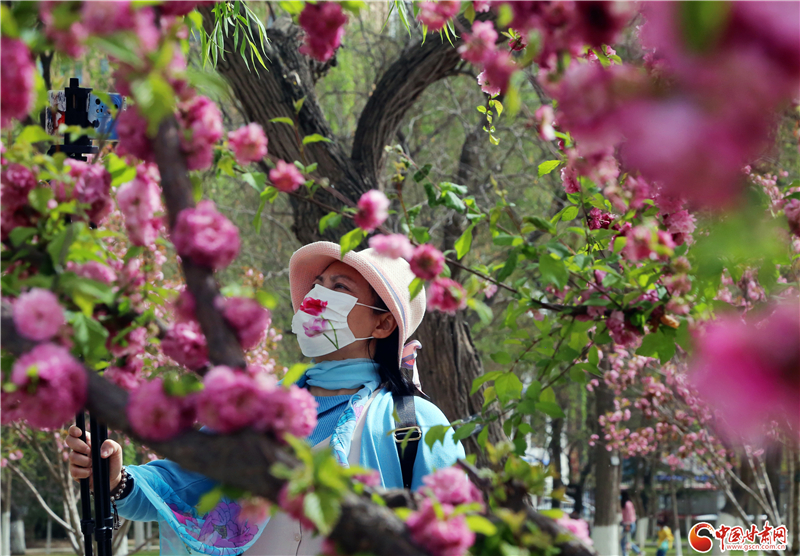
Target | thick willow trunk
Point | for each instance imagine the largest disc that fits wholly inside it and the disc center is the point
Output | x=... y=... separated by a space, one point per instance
x=606 y=523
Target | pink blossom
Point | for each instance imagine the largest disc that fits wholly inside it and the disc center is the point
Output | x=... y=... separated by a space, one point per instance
x=139 y=200
x=395 y=246
x=293 y=505
x=481 y=6
x=132 y=343
x=229 y=401
x=93 y=271
x=599 y=23
x=315 y=327
x=91 y=186
x=38 y=315
x=427 y=262
x=157 y=416
x=185 y=343
x=133 y=139
x=286 y=177
x=639 y=243
x=17 y=181
x=181 y=7
x=622 y=332
x=373 y=209
x=434 y=15
x=129 y=379
x=205 y=236
x=447 y=537
x=489 y=290
x=59 y=381
x=544 y=120
x=497 y=69
x=452 y=486
x=201 y=127
x=105 y=18
x=69 y=38
x=323 y=24
x=487 y=87
x=569 y=179
x=372 y=478
x=599 y=219
x=248 y=318
x=446 y=295
x=288 y=411
x=478 y=43
x=747 y=371
x=577 y=527
x=792 y=211
x=249 y=143
x=16 y=80
x=681 y=225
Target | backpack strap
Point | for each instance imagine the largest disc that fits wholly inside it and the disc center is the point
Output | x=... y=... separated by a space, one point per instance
x=407 y=427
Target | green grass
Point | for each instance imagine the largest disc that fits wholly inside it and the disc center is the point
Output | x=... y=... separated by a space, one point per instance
x=651 y=548
x=146 y=553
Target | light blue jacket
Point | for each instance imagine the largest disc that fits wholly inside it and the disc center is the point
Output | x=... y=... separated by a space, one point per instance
x=378 y=451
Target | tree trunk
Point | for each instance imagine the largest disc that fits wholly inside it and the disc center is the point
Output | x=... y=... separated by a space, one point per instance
x=17 y=537
x=606 y=523
x=556 y=428
x=676 y=524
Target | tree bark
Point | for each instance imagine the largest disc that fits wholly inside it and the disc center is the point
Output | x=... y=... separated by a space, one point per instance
x=606 y=525
x=556 y=428
x=447 y=372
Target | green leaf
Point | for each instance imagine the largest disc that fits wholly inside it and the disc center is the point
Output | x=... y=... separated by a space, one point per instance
x=256 y=180
x=416 y=287
x=283 y=120
x=422 y=173
x=33 y=134
x=702 y=23
x=351 y=240
x=483 y=310
x=619 y=244
x=509 y=266
x=155 y=99
x=548 y=166
x=464 y=431
x=453 y=201
x=464 y=242
x=498 y=106
x=59 y=246
x=330 y=220
x=569 y=213
x=267 y=299
x=298 y=105
x=315 y=138
x=209 y=500
x=90 y=337
x=541 y=224
x=481 y=380
x=436 y=433
x=659 y=344
x=551 y=409
x=479 y=524
x=294 y=373
x=553 y=270
x=501 y=357
x=20 y=235
x=508 y=387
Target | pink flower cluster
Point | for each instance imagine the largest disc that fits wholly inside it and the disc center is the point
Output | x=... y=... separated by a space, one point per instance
x=234 y=400
x=792 y=211
x=452 y=486
x=286 y=177
x=16 y=80
x=93 y=270
x=249 y=143
x=17 y=181
x=201 y=127
x=747 y=371
x=205 y=236
x=449 y=536
x=622 y=331
x=577 y=527
x=90 y=185
x=434 y=14
x=186 y=344
x=446 y=295
x=132 y=131
x=248 y=318
x=394 y=246
x=157 y=416
x=293 y=505
x=140 y=200
x=373 y=210
x=51 y=387
x=644 y=243
x=323 y=24
x=479 y=43
x=427 y=262
x=38 y=315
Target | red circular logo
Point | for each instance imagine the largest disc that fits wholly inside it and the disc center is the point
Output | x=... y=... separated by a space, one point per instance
x=701 y=537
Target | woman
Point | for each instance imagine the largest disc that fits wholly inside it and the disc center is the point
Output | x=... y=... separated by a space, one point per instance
x=353 y=316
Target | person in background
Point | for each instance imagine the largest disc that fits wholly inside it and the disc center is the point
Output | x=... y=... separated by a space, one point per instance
x=628 y=525
x=664 y=537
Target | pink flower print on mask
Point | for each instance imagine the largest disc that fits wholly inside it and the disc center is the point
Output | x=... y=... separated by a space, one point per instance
x=315 y=327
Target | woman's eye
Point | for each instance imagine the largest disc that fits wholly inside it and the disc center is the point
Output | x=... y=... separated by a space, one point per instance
x=341 y=286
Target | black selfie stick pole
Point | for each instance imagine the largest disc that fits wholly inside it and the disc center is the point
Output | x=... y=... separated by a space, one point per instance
x=104 y=526
x=87 y=523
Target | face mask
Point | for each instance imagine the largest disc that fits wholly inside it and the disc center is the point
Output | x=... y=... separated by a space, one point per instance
x=321 y=322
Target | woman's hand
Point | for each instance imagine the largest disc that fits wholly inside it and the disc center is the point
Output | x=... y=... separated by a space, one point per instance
x=80 y=457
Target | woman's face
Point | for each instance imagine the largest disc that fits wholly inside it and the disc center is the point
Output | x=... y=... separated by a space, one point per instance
x=363 y=321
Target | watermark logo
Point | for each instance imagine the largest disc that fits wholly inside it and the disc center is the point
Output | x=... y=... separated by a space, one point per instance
x=702 y=535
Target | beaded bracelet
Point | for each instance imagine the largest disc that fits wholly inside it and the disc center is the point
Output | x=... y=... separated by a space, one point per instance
x=117 y=494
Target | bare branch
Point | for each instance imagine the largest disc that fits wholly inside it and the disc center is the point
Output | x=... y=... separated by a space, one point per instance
x=41 y=500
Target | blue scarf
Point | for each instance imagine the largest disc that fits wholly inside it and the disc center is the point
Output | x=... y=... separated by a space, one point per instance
x=347 y=373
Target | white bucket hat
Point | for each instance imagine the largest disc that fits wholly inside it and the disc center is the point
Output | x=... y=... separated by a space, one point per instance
x=390 y=278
